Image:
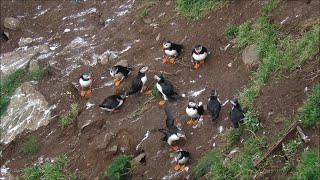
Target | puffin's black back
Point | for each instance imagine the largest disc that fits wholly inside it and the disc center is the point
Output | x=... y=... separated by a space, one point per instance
x=168 y=89
x=136 y=83
x=111 y=101
x=236 y=115
x=214 y=108
x=124 y=70
x=177 y=47
x=184 y=154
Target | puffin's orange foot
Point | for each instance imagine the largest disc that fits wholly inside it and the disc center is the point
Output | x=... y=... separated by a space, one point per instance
x=190 y=121
x=182 y=167
x=116 y=79
x=116 y=110
x=117 y=83
x=148 y=92
x=173 y=148
x=82 y=93
x=166 y=59
x=89 y=91
x=177 y=167
x=196 y=66
x=195 y=122
x=172 y=60
x=202 y=62
x=162 y=102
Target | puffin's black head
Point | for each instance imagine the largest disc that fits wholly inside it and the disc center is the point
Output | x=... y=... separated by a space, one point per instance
x=144 y=69
x=198 y=48
x=166 y=45
x=192 y=103
x=85 y=76
x=214 y=93
x=158 y=78
x=235 y=103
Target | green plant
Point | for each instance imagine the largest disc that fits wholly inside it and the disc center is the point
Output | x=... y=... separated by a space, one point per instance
x=287 y=167
x=268 y=5
x=251 y=121
x=30 y=146
x=233 y=135
x=205 y=162
x=311 y=109
x=143 y=13
x=13 y=80
x=53 y=169
x=293 y=145
x=155 y=91
x=119 y=166
x=308 y=167
x=231 y=31
x=196 y=9
x=65 y=120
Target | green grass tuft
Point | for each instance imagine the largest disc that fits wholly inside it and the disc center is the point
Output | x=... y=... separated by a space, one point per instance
x=30 y=146
x=66 y=120
x=49 y=170
x=309 y=166
x=311 y=109
x=233 y=135
x=268 y=5
x=12 y=81
x=293 y=145
x=231 y=31
x=205 y=162
x=251 y=121
x=119 y=166
x=196 y=8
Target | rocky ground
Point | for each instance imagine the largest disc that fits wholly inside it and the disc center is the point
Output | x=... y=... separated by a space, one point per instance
x=91 y=36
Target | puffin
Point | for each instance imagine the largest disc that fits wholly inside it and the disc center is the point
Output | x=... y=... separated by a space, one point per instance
x=181 y=157
x=85 y=82
x=111 y=103
x=194 y=111
x=138 y=82
x=119 y=73
x=172 y=133
x=171 y=50
x=199 y=54
x=166 y=89
x=214 y=106
x=236 y=113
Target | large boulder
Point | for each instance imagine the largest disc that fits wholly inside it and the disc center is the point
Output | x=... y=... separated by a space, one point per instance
x=28 y=109
x=250 y=57
x=20 y=58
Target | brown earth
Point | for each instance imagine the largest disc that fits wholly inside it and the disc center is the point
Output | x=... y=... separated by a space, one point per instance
x=87 y=140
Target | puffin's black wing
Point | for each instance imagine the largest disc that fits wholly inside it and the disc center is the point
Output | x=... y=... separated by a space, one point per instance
x=200 y=110
x=177 y=47
x=170 y=119
x=136 y=85
x=169 y=90
x=110 y=102
x=236 y=115
x=214 y=108
x=184 y=154
x=204 y=50
x=124 y=70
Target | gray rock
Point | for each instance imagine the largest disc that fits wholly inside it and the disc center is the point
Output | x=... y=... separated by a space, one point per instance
x=28 y=110
x=250 y=57
x=168 y=3
x=11 y=23
x=20 y=58
x=147 y=20
x=24 y=41
x=113 y=149
x=33 y=65
x=137 y=160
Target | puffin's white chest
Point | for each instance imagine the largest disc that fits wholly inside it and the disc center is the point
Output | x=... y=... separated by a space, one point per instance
x=85 y=84
x=191 y=112
x=199 y=57
x=172 y=138
x=160 y=90
x=144 y=79
x=183 y=160
x=171 y=52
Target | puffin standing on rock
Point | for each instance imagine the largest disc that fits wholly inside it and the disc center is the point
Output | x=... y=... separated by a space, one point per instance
x=111 y=103
x=172 y=133
x=85 y=82
x=236 y=114
x=166 y=89
x=138 y=82
x=199 y=54
x=194 y=111
x=181 y=157
x=214 y=106
x=171 y=50
x=119 y=73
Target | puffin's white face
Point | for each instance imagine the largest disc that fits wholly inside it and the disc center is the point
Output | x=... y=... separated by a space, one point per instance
x=144 y=69
x=192 y=103
x=166 y=44
x=113 y=71
x=198 y=49
x=86 y=76
x=181 y=135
